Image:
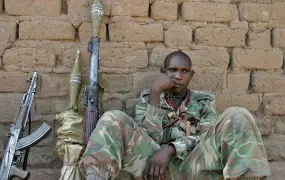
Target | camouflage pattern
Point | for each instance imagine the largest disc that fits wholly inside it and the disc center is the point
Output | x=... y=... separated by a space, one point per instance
x=226 y=146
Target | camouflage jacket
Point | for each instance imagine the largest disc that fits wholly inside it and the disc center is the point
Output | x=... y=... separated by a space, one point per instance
x=167 y=124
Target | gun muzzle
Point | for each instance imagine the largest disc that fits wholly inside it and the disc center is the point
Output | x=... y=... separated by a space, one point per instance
x=16 y=172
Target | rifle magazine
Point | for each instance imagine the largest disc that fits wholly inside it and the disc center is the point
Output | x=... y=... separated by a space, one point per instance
x=34 y=138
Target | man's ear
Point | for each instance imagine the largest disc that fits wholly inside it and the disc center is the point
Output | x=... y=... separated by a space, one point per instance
x=162 y=70
x=192 y=73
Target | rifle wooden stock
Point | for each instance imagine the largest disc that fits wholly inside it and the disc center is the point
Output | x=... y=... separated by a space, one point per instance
x=92 y=117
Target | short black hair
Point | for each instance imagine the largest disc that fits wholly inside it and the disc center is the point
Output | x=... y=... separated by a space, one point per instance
x=175 y=54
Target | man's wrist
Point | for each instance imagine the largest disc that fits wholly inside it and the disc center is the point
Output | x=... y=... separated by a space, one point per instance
x=171 y=149
x=154 y=98
x=155 y=90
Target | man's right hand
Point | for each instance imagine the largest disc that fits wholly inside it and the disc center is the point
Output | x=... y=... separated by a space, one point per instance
x=163 y=82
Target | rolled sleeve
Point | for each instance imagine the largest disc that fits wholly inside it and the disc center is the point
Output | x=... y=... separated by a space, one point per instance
x=185 y=145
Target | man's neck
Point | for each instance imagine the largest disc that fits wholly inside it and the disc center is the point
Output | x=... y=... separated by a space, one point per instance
x=175 y=100
x=177 y=94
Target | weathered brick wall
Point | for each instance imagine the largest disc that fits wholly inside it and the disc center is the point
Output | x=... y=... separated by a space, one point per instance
x=237 y=48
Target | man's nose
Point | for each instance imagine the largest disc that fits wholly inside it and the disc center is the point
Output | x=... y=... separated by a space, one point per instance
x=178 y=75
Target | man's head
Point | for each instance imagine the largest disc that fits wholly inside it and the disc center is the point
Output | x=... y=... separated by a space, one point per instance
x=178 y=66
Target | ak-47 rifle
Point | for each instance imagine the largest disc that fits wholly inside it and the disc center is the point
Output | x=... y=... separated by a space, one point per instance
x=92 y=91
x=16 y=145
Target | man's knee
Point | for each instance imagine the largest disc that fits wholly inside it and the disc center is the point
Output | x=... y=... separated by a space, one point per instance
x=114 y=117
x=240 y=116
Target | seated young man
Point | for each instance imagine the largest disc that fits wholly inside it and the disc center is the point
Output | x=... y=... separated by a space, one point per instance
x=176 y=129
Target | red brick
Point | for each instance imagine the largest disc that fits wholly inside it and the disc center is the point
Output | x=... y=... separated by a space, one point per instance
x=118 y=82
x=276 y=168
x=130 y=7
x=200 y=58
x=9 y=105
x=51 y=106
x=268 y=82
x=158 y=55
x=4 y=36
x=78 y=12
x=220 y=36
x=274 y=149
x=29 y=58
x=237 y=24
x=280 y=126
x=13 y=82
x=131 y=31
x=257 y=58
x=213 y=12
x=112 y=104
x=178 y=35
x=238 y=83
x=258 y=26
x=279 y=37
x=274 y=104
x=167 y=11
x=271 y=13
x=8 y=32
x=260 y=40
x=33 y=7
x=123 y=58
x=264 y=124
x=209 y=58
x=53 y=85
x=51 y=30
x=207 y=78
x=249 y=101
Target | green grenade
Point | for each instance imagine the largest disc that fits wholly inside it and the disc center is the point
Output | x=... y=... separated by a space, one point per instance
x=75 y=83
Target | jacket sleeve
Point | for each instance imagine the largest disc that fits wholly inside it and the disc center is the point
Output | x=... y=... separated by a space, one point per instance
x=186 y=144
x=149 y=118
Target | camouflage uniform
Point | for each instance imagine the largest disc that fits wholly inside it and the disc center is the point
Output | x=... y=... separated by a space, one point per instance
x=226 y=146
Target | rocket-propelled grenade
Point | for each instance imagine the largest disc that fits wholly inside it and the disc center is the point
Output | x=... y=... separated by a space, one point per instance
x=75 y=84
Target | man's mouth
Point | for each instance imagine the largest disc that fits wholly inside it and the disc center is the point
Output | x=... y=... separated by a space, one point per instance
x=177 y=84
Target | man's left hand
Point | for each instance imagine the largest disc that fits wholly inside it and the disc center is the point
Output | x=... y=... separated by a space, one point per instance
x=155 y=168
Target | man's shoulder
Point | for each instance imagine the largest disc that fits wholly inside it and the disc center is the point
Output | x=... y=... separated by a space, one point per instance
x=202 y=95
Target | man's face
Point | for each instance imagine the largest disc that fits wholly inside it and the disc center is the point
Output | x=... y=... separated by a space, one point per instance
x=180 y=72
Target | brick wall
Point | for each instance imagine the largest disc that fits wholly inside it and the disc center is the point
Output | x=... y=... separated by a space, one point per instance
x=237 y=48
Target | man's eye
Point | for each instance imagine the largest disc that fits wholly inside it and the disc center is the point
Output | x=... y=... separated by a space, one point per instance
x=186 y=70
x=171 y=69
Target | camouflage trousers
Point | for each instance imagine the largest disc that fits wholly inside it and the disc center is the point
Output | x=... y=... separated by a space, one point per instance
x=231 y=148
